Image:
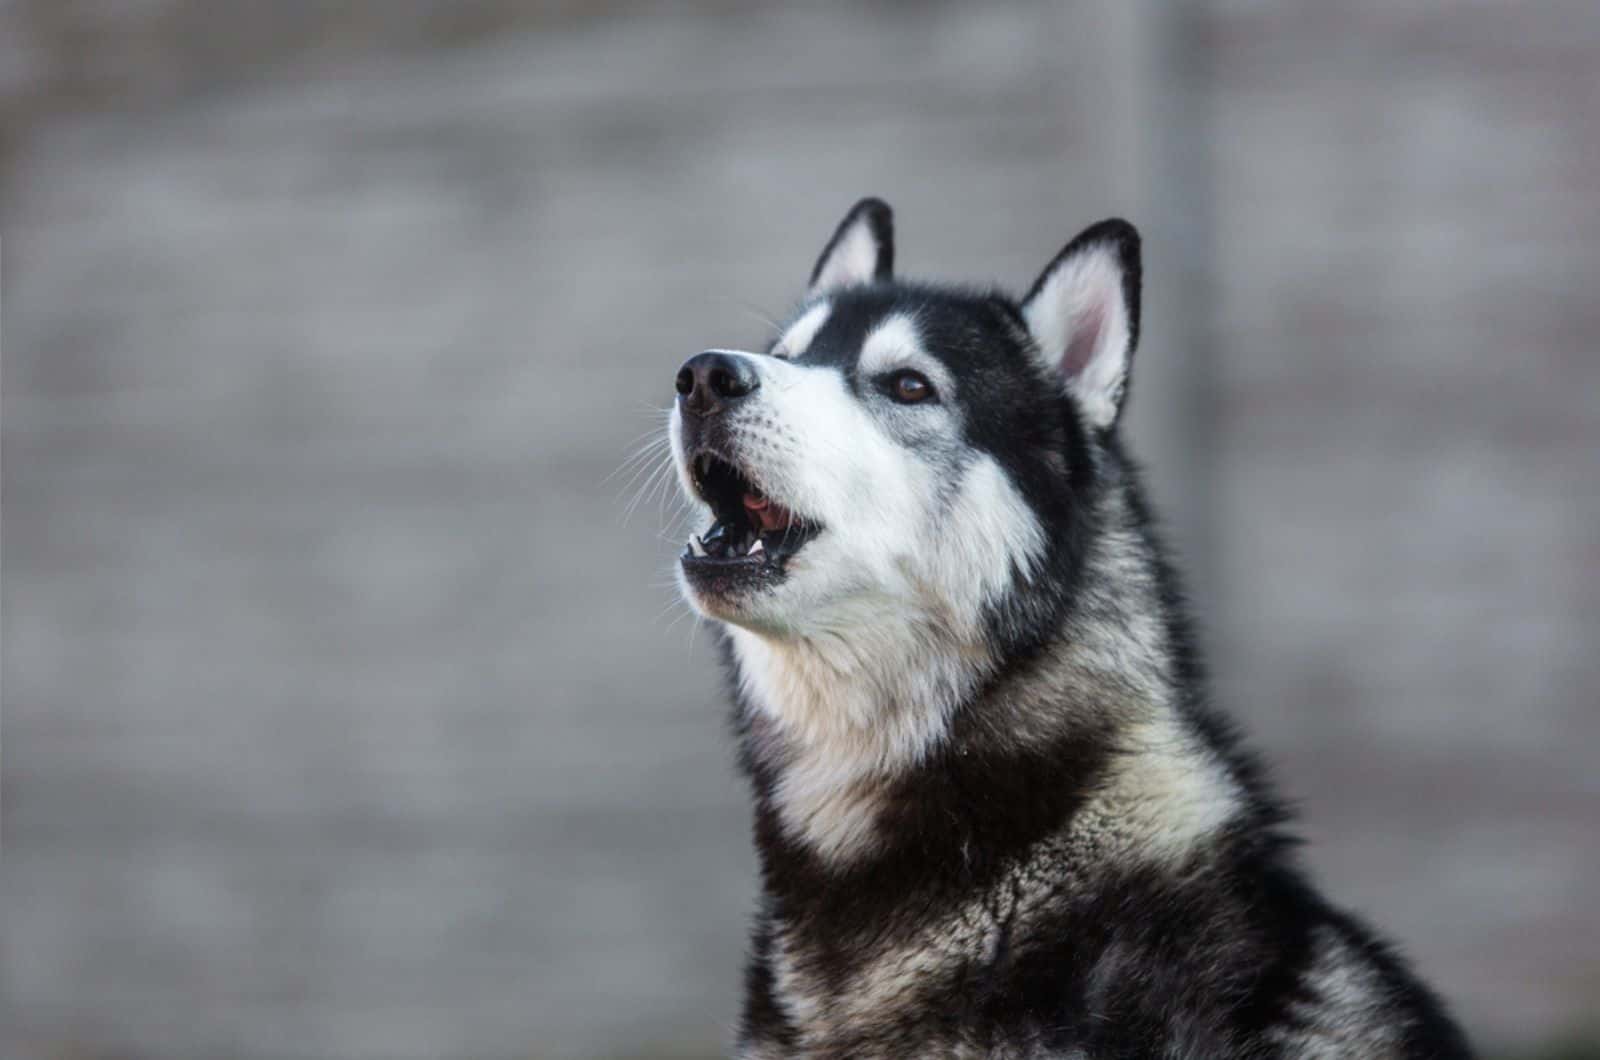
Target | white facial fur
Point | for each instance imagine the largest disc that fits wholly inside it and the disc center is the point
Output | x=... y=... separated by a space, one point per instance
x=858 y=655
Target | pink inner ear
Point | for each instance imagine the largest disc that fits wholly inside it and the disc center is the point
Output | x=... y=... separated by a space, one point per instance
x=1085 y=338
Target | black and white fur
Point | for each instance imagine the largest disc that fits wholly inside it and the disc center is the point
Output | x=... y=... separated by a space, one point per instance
x=995 y=815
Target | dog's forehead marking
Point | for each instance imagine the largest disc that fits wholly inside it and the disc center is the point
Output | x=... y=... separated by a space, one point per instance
x=896 y=342
x=836 y=339
x=797 y=339
x=893 y=342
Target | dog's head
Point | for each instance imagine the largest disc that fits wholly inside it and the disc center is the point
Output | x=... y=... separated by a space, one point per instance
x=904 y=449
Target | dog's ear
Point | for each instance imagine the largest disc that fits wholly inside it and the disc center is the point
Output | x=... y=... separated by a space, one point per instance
x=1083 y=312
x=861 y=250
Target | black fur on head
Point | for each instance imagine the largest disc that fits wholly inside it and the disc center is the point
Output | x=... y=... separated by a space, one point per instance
x=1031 y=376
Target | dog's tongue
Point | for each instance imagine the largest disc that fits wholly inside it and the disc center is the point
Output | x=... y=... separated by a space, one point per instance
x=765 y=514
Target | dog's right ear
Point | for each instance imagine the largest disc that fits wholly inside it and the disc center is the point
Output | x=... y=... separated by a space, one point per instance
x=861 y=250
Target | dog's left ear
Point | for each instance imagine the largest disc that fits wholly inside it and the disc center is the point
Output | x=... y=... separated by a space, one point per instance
x=1083 y=312
x=861 y=250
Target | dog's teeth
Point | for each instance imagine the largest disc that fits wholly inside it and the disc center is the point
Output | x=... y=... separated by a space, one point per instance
x=696 y=547
x=757 y=547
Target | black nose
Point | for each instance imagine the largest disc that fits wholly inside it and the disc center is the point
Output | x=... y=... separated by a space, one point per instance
x=710 y=382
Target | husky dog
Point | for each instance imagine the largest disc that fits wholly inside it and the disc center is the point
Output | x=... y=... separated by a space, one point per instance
x=995 y=815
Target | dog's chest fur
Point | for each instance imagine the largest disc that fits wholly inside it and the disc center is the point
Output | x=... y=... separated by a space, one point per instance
x=873 y=960
x=1077 y=867
x=1079 y=951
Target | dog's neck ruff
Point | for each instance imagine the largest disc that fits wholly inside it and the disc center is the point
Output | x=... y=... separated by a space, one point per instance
x=832 y=721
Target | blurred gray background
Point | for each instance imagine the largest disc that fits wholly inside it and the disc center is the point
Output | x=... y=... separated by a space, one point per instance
x=346 y=716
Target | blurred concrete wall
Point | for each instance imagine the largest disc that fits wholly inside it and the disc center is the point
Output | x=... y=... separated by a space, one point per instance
x=1408 y=468
x=345 y=714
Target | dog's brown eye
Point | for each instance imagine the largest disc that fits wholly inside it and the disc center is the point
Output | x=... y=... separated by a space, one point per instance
x=908 y=388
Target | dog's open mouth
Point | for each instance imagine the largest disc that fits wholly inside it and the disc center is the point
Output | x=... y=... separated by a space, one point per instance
x=750 y=527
